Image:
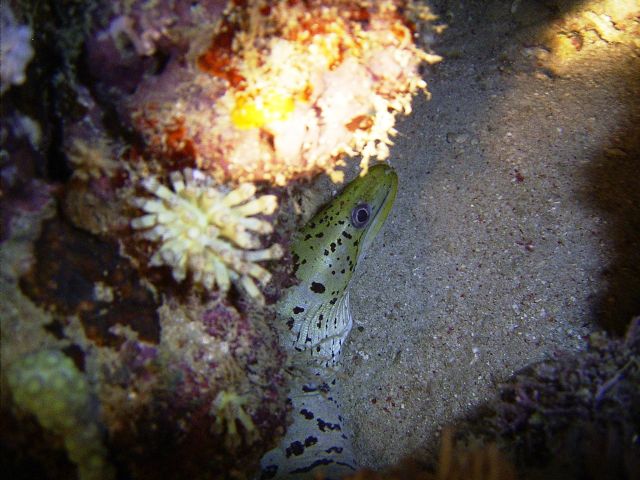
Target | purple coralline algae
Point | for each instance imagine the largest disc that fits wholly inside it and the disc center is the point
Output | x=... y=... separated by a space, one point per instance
x=567 y=411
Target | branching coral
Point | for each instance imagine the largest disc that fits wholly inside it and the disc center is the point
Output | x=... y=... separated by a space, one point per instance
x=208 y=232
x=48 y=385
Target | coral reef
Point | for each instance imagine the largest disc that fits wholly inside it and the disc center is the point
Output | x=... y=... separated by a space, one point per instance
x=191 y=376
x=141 y=171
x=48 y=385
x=70 y=275
x=209 y=397
x=286 y=89
x=22 y=194
x=208 y=232
x=254 y=92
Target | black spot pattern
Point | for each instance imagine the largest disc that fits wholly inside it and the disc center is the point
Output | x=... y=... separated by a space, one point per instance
x=324 y=426
x=295 y=448
x=334 y=450
x=316 y=442
x=306 y=414
x=268 y=472
x=317 y=463
x=296 y=263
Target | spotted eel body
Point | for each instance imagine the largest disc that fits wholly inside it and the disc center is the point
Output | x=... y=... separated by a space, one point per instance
x=316 y=321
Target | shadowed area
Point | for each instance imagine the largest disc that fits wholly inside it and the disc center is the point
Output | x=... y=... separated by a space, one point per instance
x=614 y=191
x=514 y=234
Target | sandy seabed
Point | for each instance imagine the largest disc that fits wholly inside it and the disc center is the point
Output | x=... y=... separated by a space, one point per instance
x=516 y=230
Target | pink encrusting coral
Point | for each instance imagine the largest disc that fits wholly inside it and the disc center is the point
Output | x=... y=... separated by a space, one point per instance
x=287 y=89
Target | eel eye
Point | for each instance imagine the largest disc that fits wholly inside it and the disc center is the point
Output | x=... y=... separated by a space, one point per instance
x=360 y=215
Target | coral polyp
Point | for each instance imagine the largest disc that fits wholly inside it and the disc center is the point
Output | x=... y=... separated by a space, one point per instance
x=92 y=161
x=228 y=408
x=203 y=230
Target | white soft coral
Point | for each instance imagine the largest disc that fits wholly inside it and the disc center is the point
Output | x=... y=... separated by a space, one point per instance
x=208 y=232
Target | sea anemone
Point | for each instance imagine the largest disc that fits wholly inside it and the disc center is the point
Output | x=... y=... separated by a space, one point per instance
x=212 y=233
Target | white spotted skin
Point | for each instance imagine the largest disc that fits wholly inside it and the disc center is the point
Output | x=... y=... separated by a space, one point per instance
x=315 y=323
x=320 y=331
x=317 y=444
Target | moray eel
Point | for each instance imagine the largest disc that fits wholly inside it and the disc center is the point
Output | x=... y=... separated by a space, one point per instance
x=315 y=322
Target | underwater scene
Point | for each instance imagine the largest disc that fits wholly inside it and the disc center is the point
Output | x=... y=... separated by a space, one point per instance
x=307 y=239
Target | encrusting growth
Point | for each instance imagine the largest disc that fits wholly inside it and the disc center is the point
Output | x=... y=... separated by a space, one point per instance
x=207 y=232
x=286 y=90
x=47 y=385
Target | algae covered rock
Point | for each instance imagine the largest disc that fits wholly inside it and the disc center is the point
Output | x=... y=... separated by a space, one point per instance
x=48 y=385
